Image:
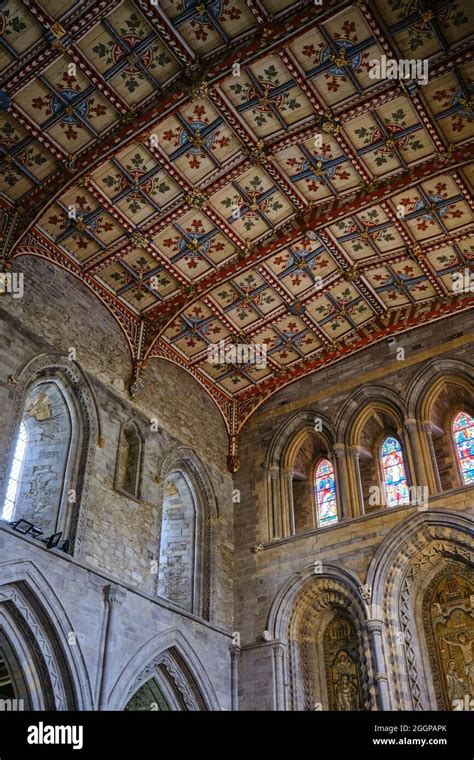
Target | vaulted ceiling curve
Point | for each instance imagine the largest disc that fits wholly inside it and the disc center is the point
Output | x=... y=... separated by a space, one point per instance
x=231 y=170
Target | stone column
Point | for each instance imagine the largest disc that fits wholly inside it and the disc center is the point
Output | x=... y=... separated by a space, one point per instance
x=235 y=658
x=428 y=431
x=419 y=471
x=288 y=511
x=355 y=452
x=278 y=676
x=114 y=596
x=344 y=498
x=374 y=628
x=274 y=511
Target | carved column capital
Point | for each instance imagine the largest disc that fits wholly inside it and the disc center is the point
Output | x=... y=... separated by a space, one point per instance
x=339 y=450
x=410 y=424
x=355 y=451
x=114 y=595
x=374 y=626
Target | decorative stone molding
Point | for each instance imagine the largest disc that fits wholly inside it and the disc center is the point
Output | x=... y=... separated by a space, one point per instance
x=414 y=548
x=167 y=660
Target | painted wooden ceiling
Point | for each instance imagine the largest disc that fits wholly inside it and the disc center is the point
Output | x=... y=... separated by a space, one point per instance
x=167 y=153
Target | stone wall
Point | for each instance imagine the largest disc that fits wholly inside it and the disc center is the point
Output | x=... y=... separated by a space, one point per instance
x=58 y=314
x=263 y=566
x=66 y=604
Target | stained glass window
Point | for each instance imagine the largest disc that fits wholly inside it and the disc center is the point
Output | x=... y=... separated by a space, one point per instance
x=463 y=433
x=325 y=486
x=393 y=469
x=15 y=474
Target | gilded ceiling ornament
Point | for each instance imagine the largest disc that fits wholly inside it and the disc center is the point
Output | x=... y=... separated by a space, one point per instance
x=60 y=37
x=340 y=59
x=370 y=186
x=80 y=224
x=199 y=90
x=265 y=99
x=352 y=274
x=139 y=240
x=328 y=124
x=266 y=31
x=257 y=154
x=196 y=199
x=196 y=139
x=445 y=156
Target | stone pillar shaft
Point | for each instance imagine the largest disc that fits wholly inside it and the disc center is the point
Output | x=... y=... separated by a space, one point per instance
x=374 y=628
x=427 y=428
x=344 y=498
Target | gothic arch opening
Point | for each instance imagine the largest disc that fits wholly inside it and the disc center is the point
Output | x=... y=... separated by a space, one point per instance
x=49 y=448
x=375 y=436
x=437 y=405
x=129 y=461
x=44 y=459
x=187 y=508
x=35 y=663
x=165 y=683
x=405 y=576
x=148 y=697
x=327 y=645
x=178 y=565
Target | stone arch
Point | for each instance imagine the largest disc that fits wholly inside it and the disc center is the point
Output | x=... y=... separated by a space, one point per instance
x=401 y=570
x=357 y=404
x=185 y=461
x=366 y=419
x=436 y=394
x=280 y=449
x=37 y=629
x=66 y=374
x=170 y=659
x=299 y=443
x=425 y=382
x=300 y=614
x=129 y=462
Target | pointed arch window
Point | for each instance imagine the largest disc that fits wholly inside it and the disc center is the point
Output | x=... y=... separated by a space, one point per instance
x=15 y=473
x=393 y=471
x=325 y=490
x=463 y=435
